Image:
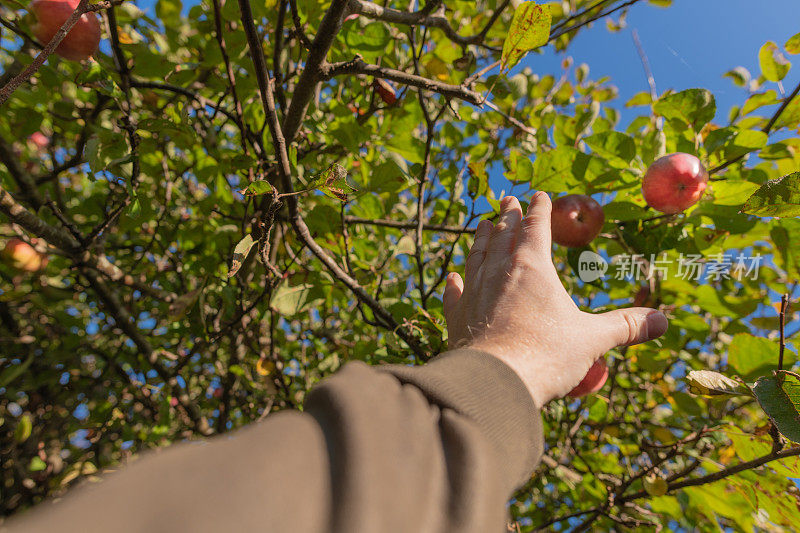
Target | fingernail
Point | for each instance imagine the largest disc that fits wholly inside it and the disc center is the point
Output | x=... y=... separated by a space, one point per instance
x=505 y=202
x=657 y=324
x=539 y=195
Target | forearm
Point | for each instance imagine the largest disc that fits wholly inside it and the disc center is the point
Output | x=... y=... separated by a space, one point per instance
x=432 y=448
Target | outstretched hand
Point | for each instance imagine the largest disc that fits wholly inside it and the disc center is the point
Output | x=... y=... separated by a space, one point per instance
x=512 y=305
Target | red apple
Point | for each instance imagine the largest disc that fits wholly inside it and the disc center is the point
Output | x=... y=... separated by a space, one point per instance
x=81 y=41
x=576 y=220
x=674 y=183
x=39 y=139
x=23 y=256
x=385 y=91
x=593 y=381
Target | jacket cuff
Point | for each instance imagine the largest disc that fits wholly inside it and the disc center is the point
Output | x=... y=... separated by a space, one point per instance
x=481 y=387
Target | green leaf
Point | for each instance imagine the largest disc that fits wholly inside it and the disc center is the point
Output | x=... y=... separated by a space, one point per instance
x=24 y=428
x=370 y=40
x=774 y=65
x=12 y=372
x=612 y=144
x=749 y=356
x=92 y=153
x=790 y=116
x=696 y=107
x=776 y=198
x=708 y=383
x=258 y=188
x=642 y=98
x=734 y=142
x=333 y=182
x=37 y=465
x=779 y=396
x=623 y=211
x=598 y=408
x=655 y=485
x=759 y=100
x=240 y=253
x=556 y=170
x=520 y=167
x=478 y=182
x=739 y=75
x=289 y=301
x=666 y=504
x=733 y=192
x=687 y=403
x=748 y=447
x=793 y=44
x=530 y=28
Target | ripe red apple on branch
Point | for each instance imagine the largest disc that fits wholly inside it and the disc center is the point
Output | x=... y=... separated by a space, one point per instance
x=385 y=91
x=23 y=256
x=81 y=41
x=39 y=139
x=674 y=183
x=576 y=220
x=593 y=381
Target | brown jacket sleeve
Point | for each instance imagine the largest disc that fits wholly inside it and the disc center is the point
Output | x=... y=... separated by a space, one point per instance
x=393 y=448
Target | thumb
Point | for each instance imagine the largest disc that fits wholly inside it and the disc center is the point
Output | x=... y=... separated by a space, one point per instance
x=634 y=325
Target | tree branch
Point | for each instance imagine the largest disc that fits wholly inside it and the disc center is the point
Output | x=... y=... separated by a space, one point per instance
x=441 y=228
x=766 y=129
x=423 y=18
x=24 y=180
x=722 y=474
x=331 y=20
x=127 y=324
x=307 y=84
x=64 y=241
x=82 y=8
x=358 y=66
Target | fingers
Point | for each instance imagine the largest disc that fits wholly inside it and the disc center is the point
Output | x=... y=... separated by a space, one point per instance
x=535 y=227
x=504 y=235
x=453 y=288
x=624 y=327
x=478 y=250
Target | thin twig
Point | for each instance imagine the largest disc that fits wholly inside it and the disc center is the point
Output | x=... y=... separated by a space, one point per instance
x=766 y=129
x=782 y=325
x=358 y=66
x=82 y=8
x=331 y=23
x=441 y=228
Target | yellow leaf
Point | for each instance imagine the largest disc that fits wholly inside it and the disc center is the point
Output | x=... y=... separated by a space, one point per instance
x=530 y=28
x=124 y=37
x=438 y=69
x=727 y=454
x=265 y=367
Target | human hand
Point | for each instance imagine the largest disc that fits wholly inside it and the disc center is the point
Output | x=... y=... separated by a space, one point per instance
x=513 y=306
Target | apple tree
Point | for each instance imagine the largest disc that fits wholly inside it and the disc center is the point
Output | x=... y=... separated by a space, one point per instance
x=228 y=200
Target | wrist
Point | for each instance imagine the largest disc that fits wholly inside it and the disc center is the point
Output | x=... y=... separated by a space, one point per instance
x=522 y=363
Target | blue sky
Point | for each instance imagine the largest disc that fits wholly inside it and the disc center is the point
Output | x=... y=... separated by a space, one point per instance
x=691 y=44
